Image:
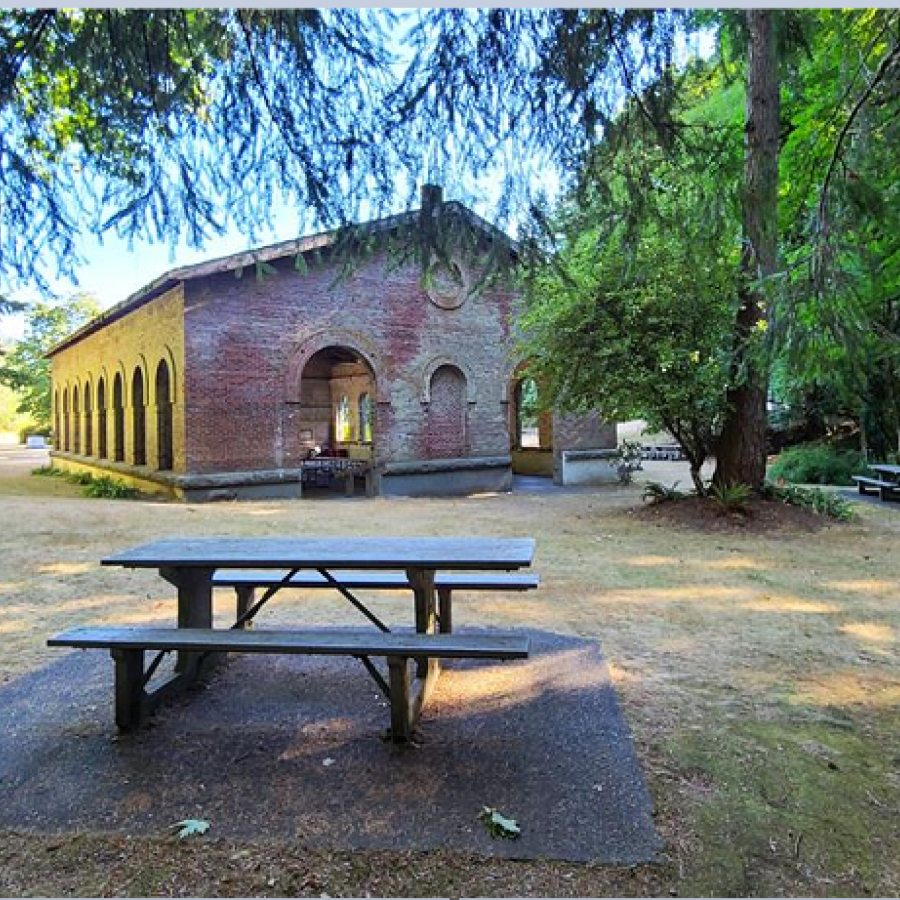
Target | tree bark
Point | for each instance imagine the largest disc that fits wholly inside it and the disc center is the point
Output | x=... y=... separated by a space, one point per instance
x=741 y=449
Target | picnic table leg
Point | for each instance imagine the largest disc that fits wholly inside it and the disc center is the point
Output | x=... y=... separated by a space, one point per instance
x=245 y=596
x=401 y=724
x=445 y=607
x=407 y=699
x=195 y=610
x=129 y=687
x=422 y=583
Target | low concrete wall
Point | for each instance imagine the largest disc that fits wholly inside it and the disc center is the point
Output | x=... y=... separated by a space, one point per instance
x=139 y=477
x=276 y=483
x=446 y=477
x=418 y=478
x=590 y=466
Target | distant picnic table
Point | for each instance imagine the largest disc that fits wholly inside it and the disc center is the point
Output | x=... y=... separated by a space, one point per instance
x=885 y=482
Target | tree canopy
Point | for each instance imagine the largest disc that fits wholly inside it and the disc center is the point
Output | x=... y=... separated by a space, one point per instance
x=24 y=368
x=173 y=123
x=823 y=315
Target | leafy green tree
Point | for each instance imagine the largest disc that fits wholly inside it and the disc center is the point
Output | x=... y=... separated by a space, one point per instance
x=10 y=418
x=837 y=322
x=635 y=319
x=25 y=368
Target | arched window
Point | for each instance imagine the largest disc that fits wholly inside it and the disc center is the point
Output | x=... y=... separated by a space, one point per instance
x=118 y=419
x=101 y=418
x=344 y=425
x=164 y=416
x=139 y=419
x=365 y=418
x=88 y=422
x=447 y=414
x=57 y=435
x=76 y=422
x=66 y=444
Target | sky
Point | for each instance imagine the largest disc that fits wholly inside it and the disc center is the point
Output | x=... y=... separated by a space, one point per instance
x=113 y=269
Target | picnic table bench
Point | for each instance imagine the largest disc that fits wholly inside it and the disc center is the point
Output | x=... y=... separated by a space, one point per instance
x=245 y=584
x=195 y=566
x=886 y=484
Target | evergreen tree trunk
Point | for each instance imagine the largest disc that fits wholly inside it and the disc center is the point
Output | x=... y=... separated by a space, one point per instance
x=741 y=449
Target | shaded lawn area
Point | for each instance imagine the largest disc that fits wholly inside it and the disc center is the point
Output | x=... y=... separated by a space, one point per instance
x=759 y=674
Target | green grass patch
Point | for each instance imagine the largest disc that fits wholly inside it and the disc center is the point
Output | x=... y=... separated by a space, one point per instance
x=776 y=806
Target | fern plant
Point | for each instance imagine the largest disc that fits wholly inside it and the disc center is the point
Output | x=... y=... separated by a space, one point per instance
x=112 y=488
x=655 y=493
x=731 y=498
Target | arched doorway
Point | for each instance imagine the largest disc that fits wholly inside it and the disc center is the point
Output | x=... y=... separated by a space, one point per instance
x=88 y=421
x=101 y=418
x=164 y=415
x=336 y=412
x=76 y=421
x=66 y=432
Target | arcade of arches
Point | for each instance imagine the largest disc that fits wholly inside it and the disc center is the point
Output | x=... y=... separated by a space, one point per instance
x=86 y=430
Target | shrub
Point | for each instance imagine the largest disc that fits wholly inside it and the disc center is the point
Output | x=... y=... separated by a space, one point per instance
x=49 y=471
x=630 y=455
x=817 y=464
x=99 y=486
x=731 y=498
x=104 y=486
x=656 y=493
x=823 y=502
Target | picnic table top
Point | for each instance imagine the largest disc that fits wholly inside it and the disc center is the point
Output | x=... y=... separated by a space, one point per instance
x=345 y=552
x=887 y=468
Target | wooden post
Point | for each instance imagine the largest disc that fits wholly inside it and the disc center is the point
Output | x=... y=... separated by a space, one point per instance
x=195 y=607
x=422 y=583
x=401 y=726
x=129 y=688
x=246 y=595
x=445 y=609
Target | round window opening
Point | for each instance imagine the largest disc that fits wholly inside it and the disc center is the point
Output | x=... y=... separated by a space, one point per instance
x=446 y=284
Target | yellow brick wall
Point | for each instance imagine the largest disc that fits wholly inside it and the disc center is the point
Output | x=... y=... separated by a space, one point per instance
x=142 y=338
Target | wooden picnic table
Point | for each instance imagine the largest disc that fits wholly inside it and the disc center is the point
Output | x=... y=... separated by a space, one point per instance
x=886 y=481
x=190 y=564
x=893 y=472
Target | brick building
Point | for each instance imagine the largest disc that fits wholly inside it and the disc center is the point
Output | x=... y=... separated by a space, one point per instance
x=218 y=379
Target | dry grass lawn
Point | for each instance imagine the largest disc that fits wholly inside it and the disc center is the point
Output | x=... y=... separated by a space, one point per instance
x=759 y=674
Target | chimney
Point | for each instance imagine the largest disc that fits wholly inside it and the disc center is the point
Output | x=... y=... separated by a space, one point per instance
x=432 y=198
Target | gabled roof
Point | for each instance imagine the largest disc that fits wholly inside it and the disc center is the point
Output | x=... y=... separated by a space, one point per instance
x=271 y=252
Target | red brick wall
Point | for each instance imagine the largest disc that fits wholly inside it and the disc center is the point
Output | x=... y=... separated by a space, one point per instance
x=246 y=341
